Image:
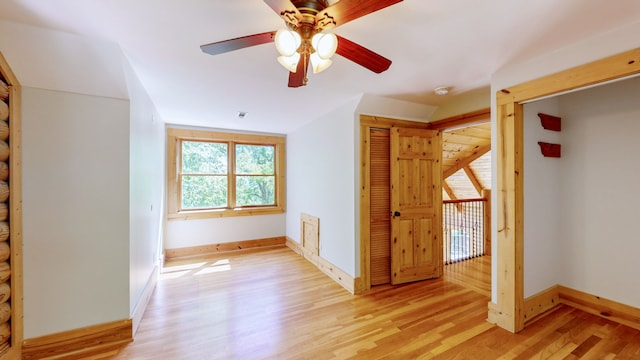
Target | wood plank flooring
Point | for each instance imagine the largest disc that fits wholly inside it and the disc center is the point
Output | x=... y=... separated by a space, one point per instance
x=272 y=304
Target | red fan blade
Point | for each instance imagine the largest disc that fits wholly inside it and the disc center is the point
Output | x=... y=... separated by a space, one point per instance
x=347 y=10
x=299 y=78
x=238 y=43
x=362 y=56
x=286 y=10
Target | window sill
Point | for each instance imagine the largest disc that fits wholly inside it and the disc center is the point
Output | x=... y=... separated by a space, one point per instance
x=212 y=214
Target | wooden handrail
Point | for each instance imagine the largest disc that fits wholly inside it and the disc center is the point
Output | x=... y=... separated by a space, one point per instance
x=457 y=201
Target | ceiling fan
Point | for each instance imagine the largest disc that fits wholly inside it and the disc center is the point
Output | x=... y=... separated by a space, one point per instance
x=306 y=40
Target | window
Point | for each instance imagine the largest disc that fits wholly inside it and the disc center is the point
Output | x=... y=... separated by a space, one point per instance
x=215 y=174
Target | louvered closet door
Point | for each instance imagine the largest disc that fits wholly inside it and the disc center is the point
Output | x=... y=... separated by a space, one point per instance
x=380 y=243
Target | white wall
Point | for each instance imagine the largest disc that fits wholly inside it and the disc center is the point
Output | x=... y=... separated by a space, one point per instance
x=597 y=47
x=189 y=233
x=600 y=191
x=146 y=195
x=464 y=103
x=75 y=210
x=93 y=170
x=323 y=174
x=47 y=59
x=320 y=176
x=543 y=202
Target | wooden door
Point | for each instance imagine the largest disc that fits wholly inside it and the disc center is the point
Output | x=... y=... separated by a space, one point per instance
x=416 y=205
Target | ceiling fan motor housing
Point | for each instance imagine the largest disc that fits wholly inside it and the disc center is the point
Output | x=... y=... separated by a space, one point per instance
x=314 y=6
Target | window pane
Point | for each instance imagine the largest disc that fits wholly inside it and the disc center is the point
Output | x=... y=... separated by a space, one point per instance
x=254 y=159
x=200 y=192
x=204 y=157
x=255 y=190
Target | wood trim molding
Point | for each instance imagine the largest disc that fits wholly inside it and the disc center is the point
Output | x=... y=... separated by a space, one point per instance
x=387 y=123
x=94 y=342
x=610 y=68
x=537 y=305
x=509 y=148
x=510 y=229
x=468 y=119
x=540 y=303
x=223 y=247
x=596 y=305
x=332 y=271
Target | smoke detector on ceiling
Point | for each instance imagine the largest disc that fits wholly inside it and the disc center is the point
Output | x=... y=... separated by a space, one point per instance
x=441 y=90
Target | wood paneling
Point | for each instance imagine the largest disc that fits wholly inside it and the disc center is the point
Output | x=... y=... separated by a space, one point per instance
x=275 y=305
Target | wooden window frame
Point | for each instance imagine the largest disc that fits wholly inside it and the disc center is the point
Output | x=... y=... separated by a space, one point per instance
x=176 y=135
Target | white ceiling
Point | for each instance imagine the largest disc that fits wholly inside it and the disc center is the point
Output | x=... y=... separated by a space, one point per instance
x=457 y=43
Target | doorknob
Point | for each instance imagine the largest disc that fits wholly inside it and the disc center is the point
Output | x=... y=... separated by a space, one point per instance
x=397 y=213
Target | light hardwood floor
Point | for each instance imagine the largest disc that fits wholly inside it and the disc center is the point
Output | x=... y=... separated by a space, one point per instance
x=272 y=304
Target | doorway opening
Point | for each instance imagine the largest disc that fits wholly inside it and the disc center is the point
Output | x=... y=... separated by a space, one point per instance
x=466 y=169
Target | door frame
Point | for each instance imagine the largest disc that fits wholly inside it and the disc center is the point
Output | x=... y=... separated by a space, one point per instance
x=508 y=311
x=367 y=122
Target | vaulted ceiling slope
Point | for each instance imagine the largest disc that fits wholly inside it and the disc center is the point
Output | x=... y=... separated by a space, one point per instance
x=466 y=161
x=431 y=43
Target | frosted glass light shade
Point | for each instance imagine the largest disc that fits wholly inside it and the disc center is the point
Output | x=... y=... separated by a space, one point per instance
x=287 y=42
x=290 y=62
x=325 y=44
x=319 y=64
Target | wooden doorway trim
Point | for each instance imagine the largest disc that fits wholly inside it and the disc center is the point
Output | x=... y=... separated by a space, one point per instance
x=367 y=122
x=469 y=119
x=508 y=310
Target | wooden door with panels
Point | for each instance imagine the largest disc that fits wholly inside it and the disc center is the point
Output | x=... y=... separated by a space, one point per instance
x=416 y=202
x=405 y=205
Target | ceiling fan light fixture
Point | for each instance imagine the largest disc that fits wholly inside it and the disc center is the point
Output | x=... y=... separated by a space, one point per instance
x=325 y=44
x=287 y=42
x=290 y=62
x=318 y=64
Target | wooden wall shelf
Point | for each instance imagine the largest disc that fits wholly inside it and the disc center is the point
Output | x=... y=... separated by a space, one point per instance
x=550 y=150
x=550 y=122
